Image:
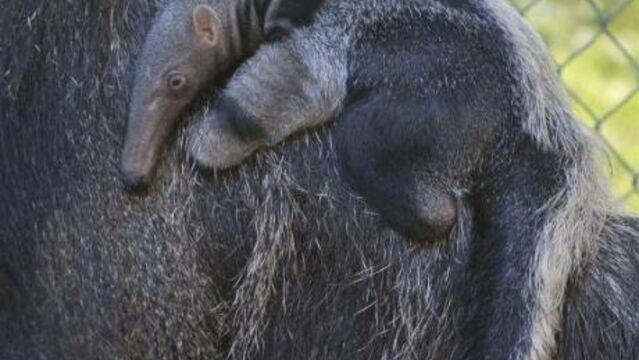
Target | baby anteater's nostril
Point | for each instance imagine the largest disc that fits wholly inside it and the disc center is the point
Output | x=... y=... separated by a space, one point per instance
x=136 y=183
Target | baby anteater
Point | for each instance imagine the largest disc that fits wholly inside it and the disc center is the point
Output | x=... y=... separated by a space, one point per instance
x=191 y=47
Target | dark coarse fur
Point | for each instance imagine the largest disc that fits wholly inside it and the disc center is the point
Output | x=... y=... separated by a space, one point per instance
x=278 y=259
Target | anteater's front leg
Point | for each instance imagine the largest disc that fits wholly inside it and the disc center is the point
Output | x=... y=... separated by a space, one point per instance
x=286 y=87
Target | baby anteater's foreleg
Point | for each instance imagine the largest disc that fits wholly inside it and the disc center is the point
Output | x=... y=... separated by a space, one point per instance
x=286 y=87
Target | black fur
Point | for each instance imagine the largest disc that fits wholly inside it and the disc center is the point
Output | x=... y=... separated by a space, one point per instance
x=238 y=121
x=298 y=12
x=281 y=245
x=423 y=127
x=594 y=307
x=410 y=123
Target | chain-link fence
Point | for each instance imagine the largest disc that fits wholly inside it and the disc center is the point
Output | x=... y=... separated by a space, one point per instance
x=596 y=46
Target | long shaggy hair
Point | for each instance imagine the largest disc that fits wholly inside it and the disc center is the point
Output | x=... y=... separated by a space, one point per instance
x=581 y=213
x=276 y=259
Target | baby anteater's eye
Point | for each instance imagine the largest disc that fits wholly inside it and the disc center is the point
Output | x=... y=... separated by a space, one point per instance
x=176 y=82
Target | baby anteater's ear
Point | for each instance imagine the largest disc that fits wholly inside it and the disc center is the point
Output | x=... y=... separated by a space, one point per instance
x=207 y=24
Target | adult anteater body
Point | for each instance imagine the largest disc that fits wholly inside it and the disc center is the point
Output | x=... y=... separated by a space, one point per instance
x=278 y=259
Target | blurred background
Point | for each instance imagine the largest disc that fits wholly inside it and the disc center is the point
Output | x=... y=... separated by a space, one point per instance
x=596 y=46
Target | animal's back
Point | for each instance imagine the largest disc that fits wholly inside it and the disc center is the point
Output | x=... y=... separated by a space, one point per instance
x=601 y=316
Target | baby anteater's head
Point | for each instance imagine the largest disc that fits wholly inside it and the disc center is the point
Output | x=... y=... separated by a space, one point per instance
x=186 y=50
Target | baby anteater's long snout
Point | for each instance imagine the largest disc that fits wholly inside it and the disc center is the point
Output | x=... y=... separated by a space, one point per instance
x=147 y=132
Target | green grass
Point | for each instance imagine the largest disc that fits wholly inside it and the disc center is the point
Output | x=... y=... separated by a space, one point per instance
x=602 y=78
